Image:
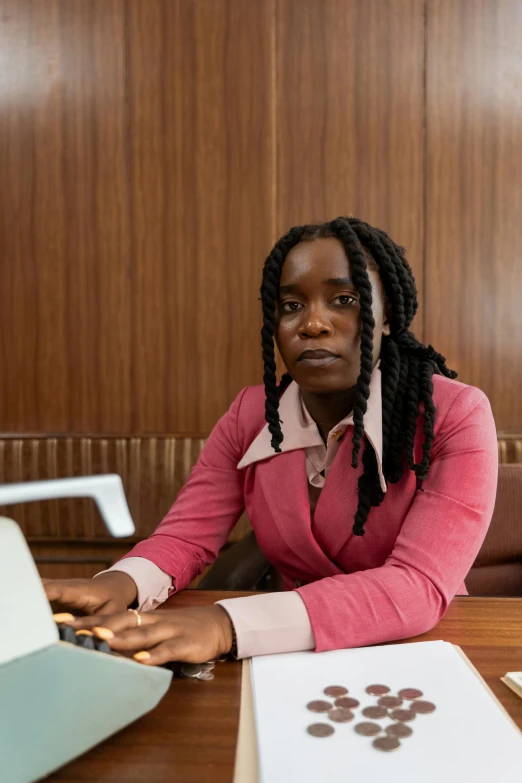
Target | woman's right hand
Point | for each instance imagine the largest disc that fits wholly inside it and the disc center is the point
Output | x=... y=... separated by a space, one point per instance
x=107 y=593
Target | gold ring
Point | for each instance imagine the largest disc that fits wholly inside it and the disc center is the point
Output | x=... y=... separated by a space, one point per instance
x=138 y=616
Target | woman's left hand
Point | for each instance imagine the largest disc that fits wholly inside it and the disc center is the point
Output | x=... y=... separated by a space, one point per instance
x=194 y=635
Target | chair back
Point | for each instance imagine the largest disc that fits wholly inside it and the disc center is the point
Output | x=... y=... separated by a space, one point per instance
x=498 y=567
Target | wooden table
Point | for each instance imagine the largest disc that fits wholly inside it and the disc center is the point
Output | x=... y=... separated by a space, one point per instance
x=191 y=736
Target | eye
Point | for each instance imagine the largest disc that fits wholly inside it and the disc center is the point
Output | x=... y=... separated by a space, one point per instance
x=346 y=300
x=290 y=307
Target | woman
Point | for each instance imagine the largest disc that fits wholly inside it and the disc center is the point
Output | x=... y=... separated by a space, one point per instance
x=368 y=474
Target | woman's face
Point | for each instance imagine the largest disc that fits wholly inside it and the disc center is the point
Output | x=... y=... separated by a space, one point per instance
x=318 y=330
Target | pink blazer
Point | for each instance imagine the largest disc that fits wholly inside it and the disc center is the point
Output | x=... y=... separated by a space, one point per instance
x=396 y=581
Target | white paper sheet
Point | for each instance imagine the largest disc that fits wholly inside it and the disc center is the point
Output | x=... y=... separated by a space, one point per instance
x=468 y=737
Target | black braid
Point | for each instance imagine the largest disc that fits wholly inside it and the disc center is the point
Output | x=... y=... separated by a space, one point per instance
x=407 y=366
x=269 y=291
x=355 y=253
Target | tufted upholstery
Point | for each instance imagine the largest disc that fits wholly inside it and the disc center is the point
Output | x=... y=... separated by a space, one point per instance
x=498 y=567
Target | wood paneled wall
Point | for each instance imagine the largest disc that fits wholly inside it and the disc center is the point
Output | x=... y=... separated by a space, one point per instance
x=350 y=103
x=64 y=244
x=474 y=196
x=151 y=152
x=201 y=146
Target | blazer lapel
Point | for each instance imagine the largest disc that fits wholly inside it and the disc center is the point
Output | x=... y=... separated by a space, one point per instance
x=283 y=481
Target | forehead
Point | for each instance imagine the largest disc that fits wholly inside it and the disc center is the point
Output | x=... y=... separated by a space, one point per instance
x=315 y=260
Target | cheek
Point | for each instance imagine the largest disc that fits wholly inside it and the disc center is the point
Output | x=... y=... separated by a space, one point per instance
x=284 y=334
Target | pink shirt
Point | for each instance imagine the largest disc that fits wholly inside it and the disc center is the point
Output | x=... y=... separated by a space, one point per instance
x=382 y=584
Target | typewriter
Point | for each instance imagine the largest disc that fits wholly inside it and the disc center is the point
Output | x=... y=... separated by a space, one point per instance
x=59 y=696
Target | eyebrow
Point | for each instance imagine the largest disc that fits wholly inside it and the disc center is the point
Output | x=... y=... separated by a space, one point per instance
x=336 y=281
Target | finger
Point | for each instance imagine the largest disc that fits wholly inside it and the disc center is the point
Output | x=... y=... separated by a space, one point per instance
x=115 y=623
x=171 y=650
x=144 y=637
x=64 y=596
x=63 y=617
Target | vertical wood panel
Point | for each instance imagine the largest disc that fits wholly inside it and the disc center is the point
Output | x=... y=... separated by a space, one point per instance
x=201 y=174
x=63 y=263
x=350 y=116
x=474 y=228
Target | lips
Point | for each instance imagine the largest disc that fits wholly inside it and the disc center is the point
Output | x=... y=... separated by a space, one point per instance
x=317 y=353
x=318 y=357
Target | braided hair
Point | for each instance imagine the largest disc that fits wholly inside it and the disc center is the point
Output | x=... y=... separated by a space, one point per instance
x=407 y=366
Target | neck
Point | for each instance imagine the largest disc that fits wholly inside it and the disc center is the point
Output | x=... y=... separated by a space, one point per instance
x=327 y=410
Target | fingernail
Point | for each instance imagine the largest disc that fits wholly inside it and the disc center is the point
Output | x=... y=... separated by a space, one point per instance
x=84 y=632
x=103 y=633
x=142 y=656
x=63 y=617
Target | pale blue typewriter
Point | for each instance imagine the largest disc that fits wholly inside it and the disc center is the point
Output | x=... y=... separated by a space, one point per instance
x=57 y=699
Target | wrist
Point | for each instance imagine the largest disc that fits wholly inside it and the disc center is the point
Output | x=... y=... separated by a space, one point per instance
x=121 y=584
x=227 y=634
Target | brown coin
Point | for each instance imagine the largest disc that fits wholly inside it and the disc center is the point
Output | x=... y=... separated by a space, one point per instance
x=375 y=712
x=346 y=702
x=401 y=730
x=410 y=693
x=390 y=702
x=319 y=706
x=335 y=691
x=368 y=729
x=320 y=730
x=402 y=715
x=386 y=743
x=340 y=715
x=377 y=690
x=422 y=707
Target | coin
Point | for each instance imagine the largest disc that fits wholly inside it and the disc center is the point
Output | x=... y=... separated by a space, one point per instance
x=207 y=667
x=390 y=702
x=191 y=669
x=335 y=691
x=401 y=730
x=386 y=743
x=422 y=707
x=368 y=729
x=375 y=712
x=319 y=706
x=402 y=715
x=377 y=690
x=346 y=702
x=410 y=693
x=320 y=730
x=340 y=715
x=206 y=676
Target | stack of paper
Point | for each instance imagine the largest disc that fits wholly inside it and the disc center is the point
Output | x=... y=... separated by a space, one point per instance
x=514 y=681
x=467 y=737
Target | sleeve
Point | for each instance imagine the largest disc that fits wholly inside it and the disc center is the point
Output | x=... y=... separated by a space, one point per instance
x=270 y=623
x=153 y=585
x=205 y=511
x=437 y=545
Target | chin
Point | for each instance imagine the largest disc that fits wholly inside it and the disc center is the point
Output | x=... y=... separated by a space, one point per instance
x=321 y=382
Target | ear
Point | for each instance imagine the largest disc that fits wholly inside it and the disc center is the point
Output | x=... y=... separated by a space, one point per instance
x=386 y=328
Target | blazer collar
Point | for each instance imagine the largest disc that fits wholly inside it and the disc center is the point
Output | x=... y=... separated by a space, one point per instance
x=300 y=430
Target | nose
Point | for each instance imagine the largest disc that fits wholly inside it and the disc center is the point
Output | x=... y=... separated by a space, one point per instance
x=315 y=323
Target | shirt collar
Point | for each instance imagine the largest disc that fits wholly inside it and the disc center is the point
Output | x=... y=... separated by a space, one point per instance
x=300 y=430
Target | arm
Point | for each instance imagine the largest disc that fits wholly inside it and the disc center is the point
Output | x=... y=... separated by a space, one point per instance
x=199 y=522
x=439 y=540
